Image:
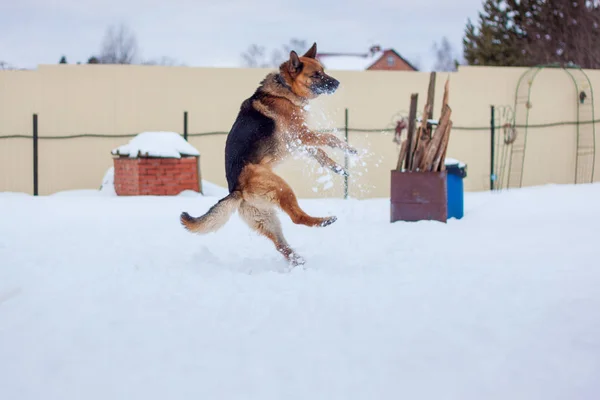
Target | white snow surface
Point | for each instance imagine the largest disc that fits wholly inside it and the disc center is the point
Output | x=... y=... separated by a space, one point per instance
x=430 y=121
x=157 y=144
x=454 y=161
x=108 y=182
x=106 y=297
x=213 y=190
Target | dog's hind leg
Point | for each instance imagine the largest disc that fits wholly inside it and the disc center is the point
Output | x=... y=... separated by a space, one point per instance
x=266 y=223
x=260 y=186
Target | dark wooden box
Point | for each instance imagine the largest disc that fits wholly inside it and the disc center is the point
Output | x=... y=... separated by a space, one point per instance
x=417 y=196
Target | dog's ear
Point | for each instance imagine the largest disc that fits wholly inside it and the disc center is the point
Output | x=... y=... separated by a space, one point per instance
x=312 y=52
x=294 y=65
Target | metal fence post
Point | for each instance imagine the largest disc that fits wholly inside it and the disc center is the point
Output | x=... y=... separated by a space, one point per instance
x=492 y=148
x=185 y=126
x=346 y=156
x=35 y=154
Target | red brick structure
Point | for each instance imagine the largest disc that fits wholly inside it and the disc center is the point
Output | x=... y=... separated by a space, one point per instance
x=155 y=176
x=156 y=164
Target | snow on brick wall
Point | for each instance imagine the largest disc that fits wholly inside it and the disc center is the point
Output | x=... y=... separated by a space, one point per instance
x=156 y=163
x=155 y=176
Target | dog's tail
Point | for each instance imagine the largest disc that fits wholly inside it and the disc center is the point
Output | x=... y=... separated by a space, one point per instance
x=215 y=217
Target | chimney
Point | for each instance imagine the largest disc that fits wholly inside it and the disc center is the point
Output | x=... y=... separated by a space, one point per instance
x=375 y=49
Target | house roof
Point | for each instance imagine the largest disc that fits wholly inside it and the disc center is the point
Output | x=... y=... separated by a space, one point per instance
x=404 y=59
x=350 y=62
x=355 y=61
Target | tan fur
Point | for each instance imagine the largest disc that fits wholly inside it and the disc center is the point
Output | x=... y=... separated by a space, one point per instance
x=292 y=134
x=266 y=223
x=259 y=189
x=215 y=217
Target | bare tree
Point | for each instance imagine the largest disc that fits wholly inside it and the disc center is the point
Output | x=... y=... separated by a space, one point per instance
x=256 y=56
x=119 y=46
x=279 y=56
x=5 y=66
x=162 y=61
x=445 y=56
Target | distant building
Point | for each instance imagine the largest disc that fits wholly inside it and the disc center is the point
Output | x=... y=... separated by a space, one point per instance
x=375 y=59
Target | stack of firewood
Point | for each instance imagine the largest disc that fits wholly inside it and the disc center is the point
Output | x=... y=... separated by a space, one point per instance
x=424 y=147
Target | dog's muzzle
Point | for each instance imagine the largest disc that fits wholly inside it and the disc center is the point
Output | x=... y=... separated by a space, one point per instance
x=325 y=86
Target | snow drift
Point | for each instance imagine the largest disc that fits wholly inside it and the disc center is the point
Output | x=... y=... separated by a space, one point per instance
x=104 y=297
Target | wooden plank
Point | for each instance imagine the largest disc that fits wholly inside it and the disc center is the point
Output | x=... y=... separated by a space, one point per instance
x=412 y=119
x=424 y=141
x=431 y=94
x=402 y=155
x=428 y=110
x=423 y=131
x=446 y=97
x=434 y=144
x=439 y=164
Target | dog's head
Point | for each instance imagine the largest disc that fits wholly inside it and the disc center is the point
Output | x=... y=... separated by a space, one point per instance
x=308 y=79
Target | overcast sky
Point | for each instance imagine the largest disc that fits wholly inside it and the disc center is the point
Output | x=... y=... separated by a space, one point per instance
x=207 y=33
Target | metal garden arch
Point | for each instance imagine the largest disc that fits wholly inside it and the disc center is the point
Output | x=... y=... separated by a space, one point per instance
x=586 y=128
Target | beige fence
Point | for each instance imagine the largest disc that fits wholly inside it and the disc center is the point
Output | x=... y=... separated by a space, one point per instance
x=111 y=100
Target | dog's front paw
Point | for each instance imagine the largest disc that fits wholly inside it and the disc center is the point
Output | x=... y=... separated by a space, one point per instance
x=339 y=170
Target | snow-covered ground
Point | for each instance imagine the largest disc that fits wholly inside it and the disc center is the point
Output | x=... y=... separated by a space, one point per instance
x=110 y=298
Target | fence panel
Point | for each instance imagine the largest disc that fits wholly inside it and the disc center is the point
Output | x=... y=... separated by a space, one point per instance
x=16 y=165
x=74 y=163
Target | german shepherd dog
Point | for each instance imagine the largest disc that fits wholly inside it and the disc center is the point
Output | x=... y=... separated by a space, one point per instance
x=269 y=127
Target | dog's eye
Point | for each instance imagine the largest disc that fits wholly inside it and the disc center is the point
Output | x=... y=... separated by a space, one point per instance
x=316 y=75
